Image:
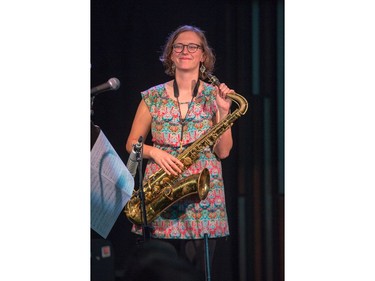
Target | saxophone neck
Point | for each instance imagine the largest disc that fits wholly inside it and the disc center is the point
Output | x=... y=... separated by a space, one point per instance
x=237 y=98
x=240 y=101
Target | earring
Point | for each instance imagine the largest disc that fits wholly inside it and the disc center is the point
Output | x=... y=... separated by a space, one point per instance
x=173 y=67
x=202 y=69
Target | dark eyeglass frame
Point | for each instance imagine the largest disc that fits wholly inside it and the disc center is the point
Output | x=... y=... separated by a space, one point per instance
x=192 y=47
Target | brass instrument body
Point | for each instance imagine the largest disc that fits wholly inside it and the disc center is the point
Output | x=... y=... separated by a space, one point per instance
x=168 y=196
x=162 y=190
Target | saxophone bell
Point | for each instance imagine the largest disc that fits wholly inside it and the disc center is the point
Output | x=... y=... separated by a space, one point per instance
x=193 y=184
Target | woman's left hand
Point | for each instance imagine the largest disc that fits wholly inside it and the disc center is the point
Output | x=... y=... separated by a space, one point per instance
x=222 y=101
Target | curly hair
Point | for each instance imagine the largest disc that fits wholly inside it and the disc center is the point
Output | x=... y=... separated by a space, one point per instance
x=165 y=58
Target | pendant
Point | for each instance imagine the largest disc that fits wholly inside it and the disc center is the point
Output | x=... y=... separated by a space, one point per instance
x=182 y=135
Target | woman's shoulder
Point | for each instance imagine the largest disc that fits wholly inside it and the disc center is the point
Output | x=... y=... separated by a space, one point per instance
x=157 y=91
x=156 y=88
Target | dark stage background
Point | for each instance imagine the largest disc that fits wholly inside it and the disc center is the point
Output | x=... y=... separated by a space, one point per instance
x=248 y=40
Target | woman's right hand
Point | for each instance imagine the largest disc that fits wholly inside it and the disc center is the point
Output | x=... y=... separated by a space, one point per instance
x=166 y=161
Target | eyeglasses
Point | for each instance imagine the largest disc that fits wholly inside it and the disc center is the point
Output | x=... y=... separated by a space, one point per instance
x=192 y=48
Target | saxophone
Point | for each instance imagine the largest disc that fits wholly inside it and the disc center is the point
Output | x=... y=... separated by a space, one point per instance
x=162 y=190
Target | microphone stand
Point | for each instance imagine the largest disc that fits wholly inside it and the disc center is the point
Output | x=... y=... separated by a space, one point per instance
x=145 y=227
x=92 y=107
x=207 y=258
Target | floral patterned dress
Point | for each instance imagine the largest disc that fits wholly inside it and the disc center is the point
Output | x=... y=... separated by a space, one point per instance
x=189 y=218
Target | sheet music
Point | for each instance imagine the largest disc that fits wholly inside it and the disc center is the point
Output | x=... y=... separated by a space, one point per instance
x=111 y=186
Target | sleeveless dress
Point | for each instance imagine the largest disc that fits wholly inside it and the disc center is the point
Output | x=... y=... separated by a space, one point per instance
x=189 y=218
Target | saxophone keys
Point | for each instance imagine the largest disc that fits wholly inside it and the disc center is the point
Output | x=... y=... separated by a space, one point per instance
x=165 y=181
x=167 y=193
x=187 y=161
x=148 y=196
x=156 y=189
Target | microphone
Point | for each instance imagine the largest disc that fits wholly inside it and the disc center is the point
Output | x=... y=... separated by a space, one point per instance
x=111 y=84
x=132 y=161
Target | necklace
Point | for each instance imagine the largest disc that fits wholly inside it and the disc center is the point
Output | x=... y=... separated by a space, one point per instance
x=182 y=119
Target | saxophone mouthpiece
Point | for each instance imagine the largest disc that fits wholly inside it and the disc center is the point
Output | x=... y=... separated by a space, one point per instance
x=213 y=79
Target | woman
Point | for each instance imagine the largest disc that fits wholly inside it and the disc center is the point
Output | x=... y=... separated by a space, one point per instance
x=177 y=113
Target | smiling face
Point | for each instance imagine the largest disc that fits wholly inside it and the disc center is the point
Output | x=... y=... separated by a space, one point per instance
x=187 y=59
x=169 y=56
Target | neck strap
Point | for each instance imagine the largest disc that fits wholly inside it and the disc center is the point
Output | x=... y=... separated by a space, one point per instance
x=177 y=92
